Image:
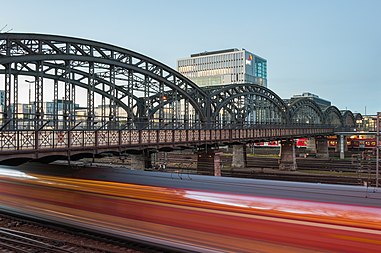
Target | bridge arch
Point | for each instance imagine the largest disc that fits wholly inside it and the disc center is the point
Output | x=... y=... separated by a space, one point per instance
x=348 y=118
x=247 y=104
x=305 y=111
x=120 y=77
x=332 y=116
x=169 y=106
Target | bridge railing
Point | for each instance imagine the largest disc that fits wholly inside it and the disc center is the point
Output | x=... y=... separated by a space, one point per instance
x=50 y=139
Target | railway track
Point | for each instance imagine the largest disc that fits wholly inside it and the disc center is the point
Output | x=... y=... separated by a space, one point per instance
x=297 y=177
x=313 y=170
x=16 y=241
x=23 y=235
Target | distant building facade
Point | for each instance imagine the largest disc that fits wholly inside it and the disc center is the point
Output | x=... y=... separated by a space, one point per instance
x=322 y=103
x=368 y=123
x=230 y=66
x=2 y=101
x=2 y=98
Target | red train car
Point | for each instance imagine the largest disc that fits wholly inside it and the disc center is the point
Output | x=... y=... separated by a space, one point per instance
x=369 y=143
x=300 y=142
x=356 y=142
x=200 y=215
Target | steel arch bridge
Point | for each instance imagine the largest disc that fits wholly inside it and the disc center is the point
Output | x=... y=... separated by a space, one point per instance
x=83 y=94
x=121 y=78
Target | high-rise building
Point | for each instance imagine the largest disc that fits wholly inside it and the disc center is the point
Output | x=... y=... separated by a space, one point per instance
x=230 y=66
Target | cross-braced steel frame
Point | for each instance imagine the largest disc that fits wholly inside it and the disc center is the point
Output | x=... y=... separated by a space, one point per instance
x=246 y=105
x=119 y=79
x=123 y=89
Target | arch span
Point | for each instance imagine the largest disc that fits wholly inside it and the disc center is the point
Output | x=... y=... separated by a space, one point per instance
x=348 y=118
x=118 y=77
x=247 y=104
x=305 y=111
x=332 y=116
x=123 y=89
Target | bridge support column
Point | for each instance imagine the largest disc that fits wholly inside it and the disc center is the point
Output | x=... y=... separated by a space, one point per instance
x=322 y=147
x=239 y=159
x=209 y=163
x=141 y=161
x=287 y=159
x=311 y=145
x=341 y=145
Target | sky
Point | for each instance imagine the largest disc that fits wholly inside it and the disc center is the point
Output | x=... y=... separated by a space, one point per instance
x=331 y=48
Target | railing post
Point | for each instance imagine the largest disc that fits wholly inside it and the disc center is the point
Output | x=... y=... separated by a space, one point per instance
x=36 y=141
x=18 y=139
x=68 y=145
x=173 y=136
x=96 y=138
x=119 y=138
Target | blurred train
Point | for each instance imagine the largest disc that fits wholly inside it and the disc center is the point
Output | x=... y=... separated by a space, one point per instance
x=360 y=142
x=299 y=142
x=353 y=142
x=193 y=213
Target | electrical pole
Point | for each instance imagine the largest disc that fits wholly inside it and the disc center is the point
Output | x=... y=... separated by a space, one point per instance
x=377 y=146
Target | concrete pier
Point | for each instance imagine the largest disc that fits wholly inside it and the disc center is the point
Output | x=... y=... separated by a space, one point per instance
x=322 y=147
x=141 y=161
x=311 y=145
x=287 y=159
x=209 y=163
x=239 y=159
x=341 y=145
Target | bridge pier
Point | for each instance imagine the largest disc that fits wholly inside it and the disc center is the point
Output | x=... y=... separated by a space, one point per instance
x=287 y=159
x=239 y=159
x=341 y=145
x=322 y=147
x=311 y=145
x=209 y=163
x=141 y=161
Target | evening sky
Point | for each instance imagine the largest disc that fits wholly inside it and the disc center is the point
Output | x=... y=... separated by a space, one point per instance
x=331 y=48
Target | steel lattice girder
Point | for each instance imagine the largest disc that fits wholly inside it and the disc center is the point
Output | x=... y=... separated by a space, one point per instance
x=225 y=96
x=303 y=108
x=333 y=116
x=348 y=118
x=117 y=73
x=28 y=48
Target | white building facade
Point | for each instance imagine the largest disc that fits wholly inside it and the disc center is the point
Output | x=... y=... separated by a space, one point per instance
x=230 y=66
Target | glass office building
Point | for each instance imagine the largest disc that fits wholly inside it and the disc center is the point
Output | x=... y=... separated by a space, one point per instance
x=223 y=67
